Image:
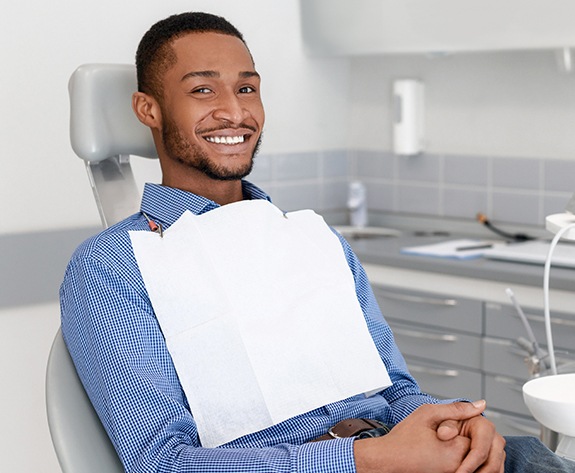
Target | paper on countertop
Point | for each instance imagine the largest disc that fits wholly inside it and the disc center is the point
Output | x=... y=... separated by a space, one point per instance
x=260 y=316
x=535 y=252
x=464 y=248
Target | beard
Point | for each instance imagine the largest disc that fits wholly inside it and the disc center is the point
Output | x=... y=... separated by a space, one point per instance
x=179 y=148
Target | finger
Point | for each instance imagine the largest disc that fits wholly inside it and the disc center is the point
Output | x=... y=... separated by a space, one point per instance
x=474 y=462
x=487 y=452
x=439 y=413
x=448 y=429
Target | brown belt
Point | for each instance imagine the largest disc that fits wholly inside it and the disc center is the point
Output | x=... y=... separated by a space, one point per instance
x=349 y=428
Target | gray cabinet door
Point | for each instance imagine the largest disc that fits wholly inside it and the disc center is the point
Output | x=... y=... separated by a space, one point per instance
x=433 y=310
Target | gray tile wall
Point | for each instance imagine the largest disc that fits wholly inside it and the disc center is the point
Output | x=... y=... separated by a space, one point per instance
x=316 y=180
x=521 y=191
x=511 y=190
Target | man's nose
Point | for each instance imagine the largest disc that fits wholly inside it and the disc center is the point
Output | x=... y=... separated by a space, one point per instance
x=229 y=107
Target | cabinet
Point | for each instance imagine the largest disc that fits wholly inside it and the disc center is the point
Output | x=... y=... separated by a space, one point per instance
x=440 y=338
x=422 y=26
x=461 y=347
x=503 y=363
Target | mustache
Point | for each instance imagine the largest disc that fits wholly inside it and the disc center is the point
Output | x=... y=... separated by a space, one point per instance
x=243 y=126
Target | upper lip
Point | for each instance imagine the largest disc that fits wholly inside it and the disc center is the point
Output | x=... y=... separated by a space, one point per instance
x=239 y=130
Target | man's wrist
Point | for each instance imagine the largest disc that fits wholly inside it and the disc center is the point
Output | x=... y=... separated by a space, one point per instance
x=370 y=456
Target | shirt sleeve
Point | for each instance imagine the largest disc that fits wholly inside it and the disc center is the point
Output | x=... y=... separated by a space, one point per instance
x=405 y=395
x=120 y=355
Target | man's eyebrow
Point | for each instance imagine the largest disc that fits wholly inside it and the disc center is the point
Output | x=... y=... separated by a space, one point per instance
x=209 y=74
x=215 y=74
x=249 y=74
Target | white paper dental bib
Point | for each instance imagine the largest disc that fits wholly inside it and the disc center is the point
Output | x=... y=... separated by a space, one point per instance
x=260 y=316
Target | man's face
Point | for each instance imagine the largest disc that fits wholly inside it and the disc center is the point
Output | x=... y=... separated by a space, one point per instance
x=212 y=113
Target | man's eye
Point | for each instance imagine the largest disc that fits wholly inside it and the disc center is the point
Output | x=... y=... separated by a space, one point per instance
x=201 y=90
x=248 y=89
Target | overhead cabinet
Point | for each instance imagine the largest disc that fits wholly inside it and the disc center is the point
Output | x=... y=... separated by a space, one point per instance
x=362 y=27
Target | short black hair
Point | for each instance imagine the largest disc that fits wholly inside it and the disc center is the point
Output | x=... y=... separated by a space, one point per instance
x=155 y=55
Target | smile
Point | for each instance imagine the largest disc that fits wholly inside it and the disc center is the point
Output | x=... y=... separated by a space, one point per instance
x=226 y=140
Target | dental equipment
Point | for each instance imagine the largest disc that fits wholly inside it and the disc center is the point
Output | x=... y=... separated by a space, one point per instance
x=482 y=218
x=537 y=355
x=550 y=398
x=548 y=332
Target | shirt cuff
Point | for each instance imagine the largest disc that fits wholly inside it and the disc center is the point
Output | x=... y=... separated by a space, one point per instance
x=327 y=456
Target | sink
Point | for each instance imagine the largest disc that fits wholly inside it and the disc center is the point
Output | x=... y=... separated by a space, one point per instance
x=361 y=233
x=550 y=400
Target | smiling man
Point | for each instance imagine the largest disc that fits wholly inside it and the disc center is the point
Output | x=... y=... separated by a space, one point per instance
x=200 y=96
x=199 y=93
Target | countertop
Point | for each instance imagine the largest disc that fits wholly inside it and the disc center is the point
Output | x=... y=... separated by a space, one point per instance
x=386 y=251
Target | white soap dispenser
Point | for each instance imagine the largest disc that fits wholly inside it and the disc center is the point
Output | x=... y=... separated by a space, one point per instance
x=408 y=117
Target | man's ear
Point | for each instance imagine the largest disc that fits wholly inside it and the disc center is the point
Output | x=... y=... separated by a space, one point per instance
x=146 y=109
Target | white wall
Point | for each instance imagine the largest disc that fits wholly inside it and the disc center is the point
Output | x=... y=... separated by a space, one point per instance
x=503 y=104
x=26 y=335
x=43 y=184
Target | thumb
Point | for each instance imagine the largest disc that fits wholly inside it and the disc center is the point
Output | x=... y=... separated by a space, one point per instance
x=449 y=427
x=480 y=405
x=458 y=411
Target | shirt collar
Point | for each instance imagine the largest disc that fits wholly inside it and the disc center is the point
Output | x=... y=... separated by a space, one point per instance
x=165 y=205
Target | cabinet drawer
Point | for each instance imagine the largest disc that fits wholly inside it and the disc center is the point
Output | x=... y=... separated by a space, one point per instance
x=441 y=345
x=505 y=394
x=509 y=424
x=431 y=309
x=504 y=322
x=445 y=381
x=504 y=357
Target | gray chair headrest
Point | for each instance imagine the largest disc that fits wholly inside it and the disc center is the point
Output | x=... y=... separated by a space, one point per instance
x=102 y=123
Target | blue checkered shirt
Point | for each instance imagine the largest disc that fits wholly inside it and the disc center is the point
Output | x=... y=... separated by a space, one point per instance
x=117 y=346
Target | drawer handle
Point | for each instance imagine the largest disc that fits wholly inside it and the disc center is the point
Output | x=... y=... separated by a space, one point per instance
x=512 y=385
x=437 y=337
x=517 y=389
x=419 y=299
x=434 y=371
x=517 y=352
x=554 y=320
x=561 y=360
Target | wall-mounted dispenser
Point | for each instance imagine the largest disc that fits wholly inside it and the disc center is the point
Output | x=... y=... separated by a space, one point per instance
x=408 y=117
x=357 y=204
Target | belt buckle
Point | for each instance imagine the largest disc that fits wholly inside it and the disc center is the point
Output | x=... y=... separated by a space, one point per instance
x=332 y=434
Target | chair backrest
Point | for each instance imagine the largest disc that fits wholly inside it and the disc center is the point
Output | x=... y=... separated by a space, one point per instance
x=80 y=441
x=104 y=132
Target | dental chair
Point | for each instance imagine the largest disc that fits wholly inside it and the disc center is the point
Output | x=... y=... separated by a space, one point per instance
x=104 y=132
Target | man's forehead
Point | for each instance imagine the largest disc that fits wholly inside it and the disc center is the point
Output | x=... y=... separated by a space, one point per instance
x=211 y=50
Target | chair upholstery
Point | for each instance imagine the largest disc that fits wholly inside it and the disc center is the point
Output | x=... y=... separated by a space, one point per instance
x=80 y=441
x=102 y=123
x=104 y=132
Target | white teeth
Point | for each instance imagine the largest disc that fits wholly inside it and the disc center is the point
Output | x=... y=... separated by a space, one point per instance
x=226 y=140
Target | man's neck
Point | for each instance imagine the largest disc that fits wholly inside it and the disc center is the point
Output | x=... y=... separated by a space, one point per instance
x=221 y=192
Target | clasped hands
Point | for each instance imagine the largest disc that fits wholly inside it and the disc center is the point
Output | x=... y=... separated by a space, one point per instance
x=436 y=438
